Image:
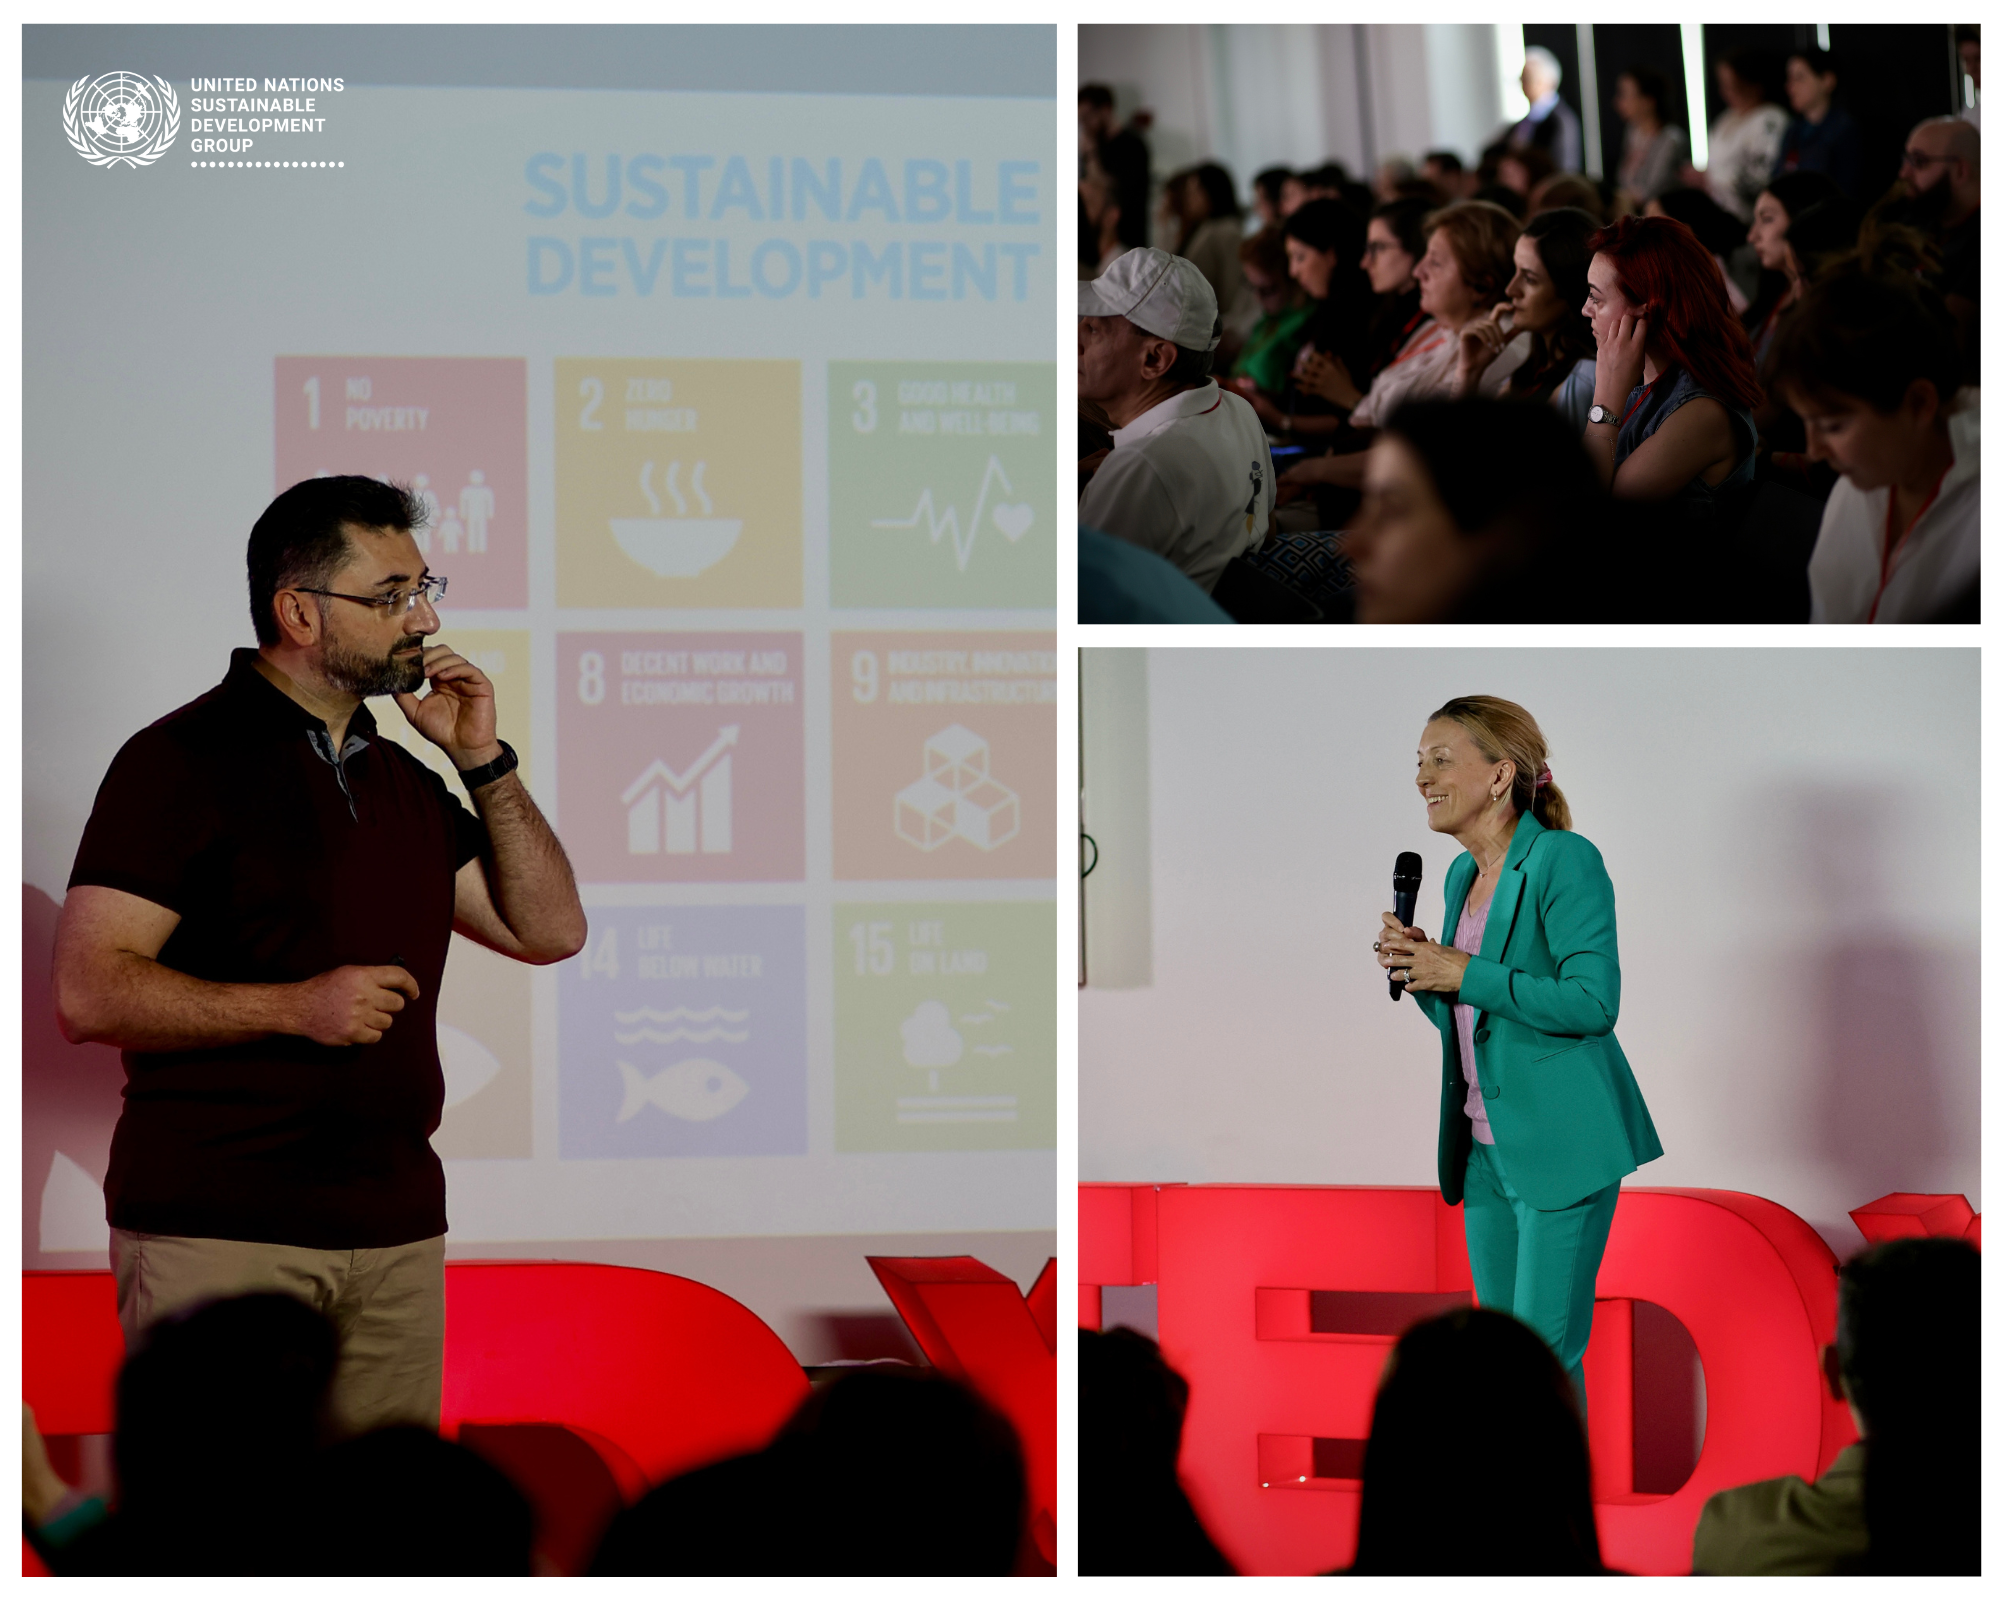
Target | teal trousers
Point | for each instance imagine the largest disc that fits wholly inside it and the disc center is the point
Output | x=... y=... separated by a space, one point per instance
x=1539 y=1265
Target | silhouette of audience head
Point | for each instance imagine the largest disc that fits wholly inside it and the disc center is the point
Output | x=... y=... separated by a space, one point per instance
x=218 y=1411
x=402 y=1502
x=1476 y=1460
x=1133 y=1517
x=1906 y=1356
x=1456 y=526
x=879 y=1473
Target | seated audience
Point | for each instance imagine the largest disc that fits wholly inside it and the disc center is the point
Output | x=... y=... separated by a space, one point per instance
x=1904 y=1500
x=1569 y=189
x=1822 y=137
x=1098 y=223
x=1201 y=207
x=881 y=1473
x=1189 y=474
x=1504 y=195
x=1323 y=386
x=1447 y=171
x=1133 y=1517
x=1871 y=365
x=1508 y=1494
x=1263 y=364
x=1654 y=152
x=415 y=1505
x=1676 y=382
x=1743 y=142
x=1719 y=231
x=1325 y=251
x=1941 y=175
x=218 y=1414
x=1784 y=198
x=1267 y=190
x=1545 y=302
x=1395 y=245
x=1523 y=168
x=1467 y=263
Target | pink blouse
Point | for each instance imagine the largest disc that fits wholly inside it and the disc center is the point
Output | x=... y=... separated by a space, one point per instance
x=1471 y=929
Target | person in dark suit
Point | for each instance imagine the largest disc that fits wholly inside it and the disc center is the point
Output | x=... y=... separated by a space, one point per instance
x=1550 y=123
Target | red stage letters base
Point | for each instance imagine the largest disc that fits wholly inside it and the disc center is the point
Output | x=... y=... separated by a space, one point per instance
x=1275 y=1303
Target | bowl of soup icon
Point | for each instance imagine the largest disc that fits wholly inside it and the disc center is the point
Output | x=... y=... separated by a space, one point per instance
x=676 y=547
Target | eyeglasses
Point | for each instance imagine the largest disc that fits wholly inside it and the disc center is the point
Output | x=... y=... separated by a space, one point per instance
x=431 y=589
x=1919 y=159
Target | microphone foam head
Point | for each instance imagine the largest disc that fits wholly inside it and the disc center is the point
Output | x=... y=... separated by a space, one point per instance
x=1410 y=865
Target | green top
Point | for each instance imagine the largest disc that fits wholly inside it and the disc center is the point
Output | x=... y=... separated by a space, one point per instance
x=1272 y=347
x=1786 y=1527
x=1565 y=1109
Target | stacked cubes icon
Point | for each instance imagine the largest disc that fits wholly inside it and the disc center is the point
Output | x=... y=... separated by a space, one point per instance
x=957 y=797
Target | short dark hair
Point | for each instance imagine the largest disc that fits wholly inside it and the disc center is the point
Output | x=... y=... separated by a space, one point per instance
x=1405 y=218
x=1650 y=84
x=301 y=539
x=1270 y=183
x=1820 y=61
x=1447 y=159
x=1096 y=94
x=1870 y=337
x=1220 y=189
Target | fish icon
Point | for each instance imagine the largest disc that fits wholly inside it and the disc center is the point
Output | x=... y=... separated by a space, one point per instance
x=695 y=1090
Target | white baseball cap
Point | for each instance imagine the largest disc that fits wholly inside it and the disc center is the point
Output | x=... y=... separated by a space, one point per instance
x=1164 y=294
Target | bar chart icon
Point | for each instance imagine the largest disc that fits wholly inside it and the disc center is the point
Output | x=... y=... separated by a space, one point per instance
x=682 y=813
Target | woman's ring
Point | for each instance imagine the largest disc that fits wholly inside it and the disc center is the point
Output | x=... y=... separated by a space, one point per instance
x=1378 y=945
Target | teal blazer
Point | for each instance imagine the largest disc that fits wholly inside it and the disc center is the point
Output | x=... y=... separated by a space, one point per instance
x=1567 y=1115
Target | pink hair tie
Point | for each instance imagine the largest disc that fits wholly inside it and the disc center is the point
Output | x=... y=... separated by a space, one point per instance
x=1545 y=777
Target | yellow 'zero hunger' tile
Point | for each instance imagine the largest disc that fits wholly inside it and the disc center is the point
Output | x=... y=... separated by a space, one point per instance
x=678 y=483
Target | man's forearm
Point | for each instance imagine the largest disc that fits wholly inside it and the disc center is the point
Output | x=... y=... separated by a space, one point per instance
x=533 y=889
x=134 y=1003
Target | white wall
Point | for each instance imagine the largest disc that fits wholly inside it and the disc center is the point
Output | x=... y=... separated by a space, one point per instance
x=1258 y=95
x=1794 y=840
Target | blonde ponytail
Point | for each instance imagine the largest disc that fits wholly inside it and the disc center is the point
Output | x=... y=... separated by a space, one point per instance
x=1504 y=731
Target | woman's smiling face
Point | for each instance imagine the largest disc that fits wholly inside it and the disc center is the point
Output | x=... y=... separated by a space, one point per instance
x=1454 y=777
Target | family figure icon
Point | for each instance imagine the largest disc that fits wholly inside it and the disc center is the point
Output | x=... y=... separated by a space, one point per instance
x=461 y=526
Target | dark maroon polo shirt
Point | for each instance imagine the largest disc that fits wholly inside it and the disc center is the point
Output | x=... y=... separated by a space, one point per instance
x=283 y=863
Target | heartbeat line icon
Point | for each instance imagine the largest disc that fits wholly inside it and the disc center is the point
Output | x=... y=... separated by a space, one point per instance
x=1011 y=520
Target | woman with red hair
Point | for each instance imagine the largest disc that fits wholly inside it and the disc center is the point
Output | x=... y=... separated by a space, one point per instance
x=1676 y=380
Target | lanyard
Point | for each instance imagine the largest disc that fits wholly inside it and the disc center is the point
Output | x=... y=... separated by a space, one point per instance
x=1419 y=350
x=1636 y=404
x=1890 y=545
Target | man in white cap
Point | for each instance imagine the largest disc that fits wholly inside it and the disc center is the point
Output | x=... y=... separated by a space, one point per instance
x=1189 y=474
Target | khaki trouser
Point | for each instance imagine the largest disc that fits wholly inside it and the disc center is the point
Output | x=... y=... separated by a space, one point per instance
x=388 y=1306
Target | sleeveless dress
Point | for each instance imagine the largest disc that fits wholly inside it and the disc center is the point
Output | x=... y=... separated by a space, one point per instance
x=1650 y=406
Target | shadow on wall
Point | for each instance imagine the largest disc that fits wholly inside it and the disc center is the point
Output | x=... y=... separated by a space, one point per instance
x=1879 y=1117
x=70 y=1096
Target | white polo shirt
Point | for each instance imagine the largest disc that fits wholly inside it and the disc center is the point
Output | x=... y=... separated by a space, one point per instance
x=1938 y=559
x=1189 y=480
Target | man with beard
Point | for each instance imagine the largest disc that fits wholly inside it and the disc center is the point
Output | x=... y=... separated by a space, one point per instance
x=259 y=916
x=1941 y=173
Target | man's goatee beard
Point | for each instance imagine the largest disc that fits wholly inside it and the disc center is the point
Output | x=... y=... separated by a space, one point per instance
x=401 y=672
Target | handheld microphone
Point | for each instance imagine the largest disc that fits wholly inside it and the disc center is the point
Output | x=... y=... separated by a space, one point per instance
x=1409 y=876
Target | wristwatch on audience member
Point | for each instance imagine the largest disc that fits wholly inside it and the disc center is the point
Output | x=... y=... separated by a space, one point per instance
x=502 y=764
x=1599 y=413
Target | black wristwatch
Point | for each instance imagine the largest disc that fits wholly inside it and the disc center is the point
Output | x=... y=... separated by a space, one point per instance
x=502 y=764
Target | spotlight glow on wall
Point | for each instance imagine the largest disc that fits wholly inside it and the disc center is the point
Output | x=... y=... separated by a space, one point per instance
x=1697 y=87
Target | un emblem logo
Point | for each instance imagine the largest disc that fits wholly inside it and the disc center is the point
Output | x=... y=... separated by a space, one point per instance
x=121 y=117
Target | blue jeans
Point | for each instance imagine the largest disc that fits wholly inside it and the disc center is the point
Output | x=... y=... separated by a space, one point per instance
x=1539 y=1265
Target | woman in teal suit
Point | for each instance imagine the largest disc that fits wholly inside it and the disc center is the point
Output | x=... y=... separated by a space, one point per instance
x=1541 y=1117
